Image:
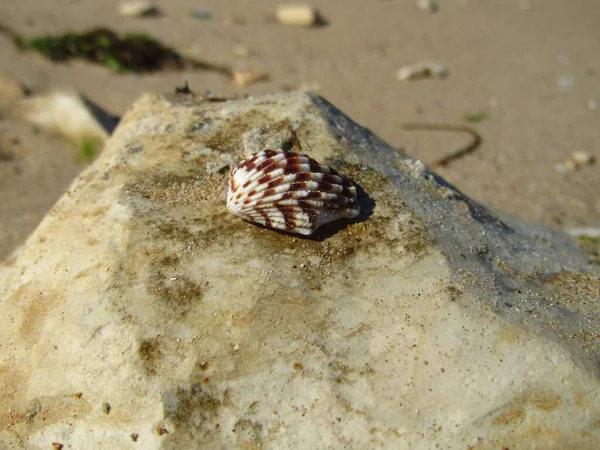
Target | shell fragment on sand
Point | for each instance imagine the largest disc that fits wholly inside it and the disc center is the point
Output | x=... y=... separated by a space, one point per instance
x=247 y=76
x=290 y=191
x=423 y=69
x=583 y=158
x=296 y=15
x=137 y=9
x=429 y=6
x=577 y=160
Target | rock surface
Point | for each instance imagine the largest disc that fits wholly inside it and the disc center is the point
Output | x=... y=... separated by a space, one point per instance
x=140 y=314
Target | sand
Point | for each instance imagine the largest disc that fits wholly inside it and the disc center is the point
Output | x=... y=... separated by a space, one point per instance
x=534 y=74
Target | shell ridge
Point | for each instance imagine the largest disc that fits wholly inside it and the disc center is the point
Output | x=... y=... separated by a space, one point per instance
x=289 y=191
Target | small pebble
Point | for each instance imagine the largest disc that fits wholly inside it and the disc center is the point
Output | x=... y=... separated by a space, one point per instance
x=134 y=437
x=106 y=408
x=424 y=69
x=300 y=15
x=201 y=14
x=582 y=158
x=429 y=6
x=592 y=105
x=565 y=82
x=570 y=165
x=246 y=77
x=137 y=9
x=560 y=168
x=577 y=160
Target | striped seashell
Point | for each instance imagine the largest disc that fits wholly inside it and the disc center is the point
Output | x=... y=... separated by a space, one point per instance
x=289 y=191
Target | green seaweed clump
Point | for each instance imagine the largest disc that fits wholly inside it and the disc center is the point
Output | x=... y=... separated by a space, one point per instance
x=134 y=52
x=131 y=53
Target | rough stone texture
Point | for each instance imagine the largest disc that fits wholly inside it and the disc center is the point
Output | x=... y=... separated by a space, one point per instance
x=426 y=322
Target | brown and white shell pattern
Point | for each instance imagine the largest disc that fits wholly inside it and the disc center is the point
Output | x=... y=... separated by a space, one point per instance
x=289 y=191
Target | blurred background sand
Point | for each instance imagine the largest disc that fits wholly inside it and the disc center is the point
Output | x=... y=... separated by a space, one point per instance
x=531 y=69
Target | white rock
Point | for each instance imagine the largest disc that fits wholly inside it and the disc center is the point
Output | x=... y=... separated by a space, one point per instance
x=246 y=76
x=428 y=323
x=137 y=9
x=582 y=158
x=429 y=6
x=66 y=113
x=296 y=14
x=571 y=165
x=424 y=69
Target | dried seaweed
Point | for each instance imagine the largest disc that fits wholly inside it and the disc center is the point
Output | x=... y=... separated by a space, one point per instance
x=445 y=160
x=133 y=52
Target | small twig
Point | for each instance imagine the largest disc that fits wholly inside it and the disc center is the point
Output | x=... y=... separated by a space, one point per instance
x=444 y=161
x=184 y=90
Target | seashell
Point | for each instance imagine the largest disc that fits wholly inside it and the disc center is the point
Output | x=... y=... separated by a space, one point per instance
x=289 y=191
